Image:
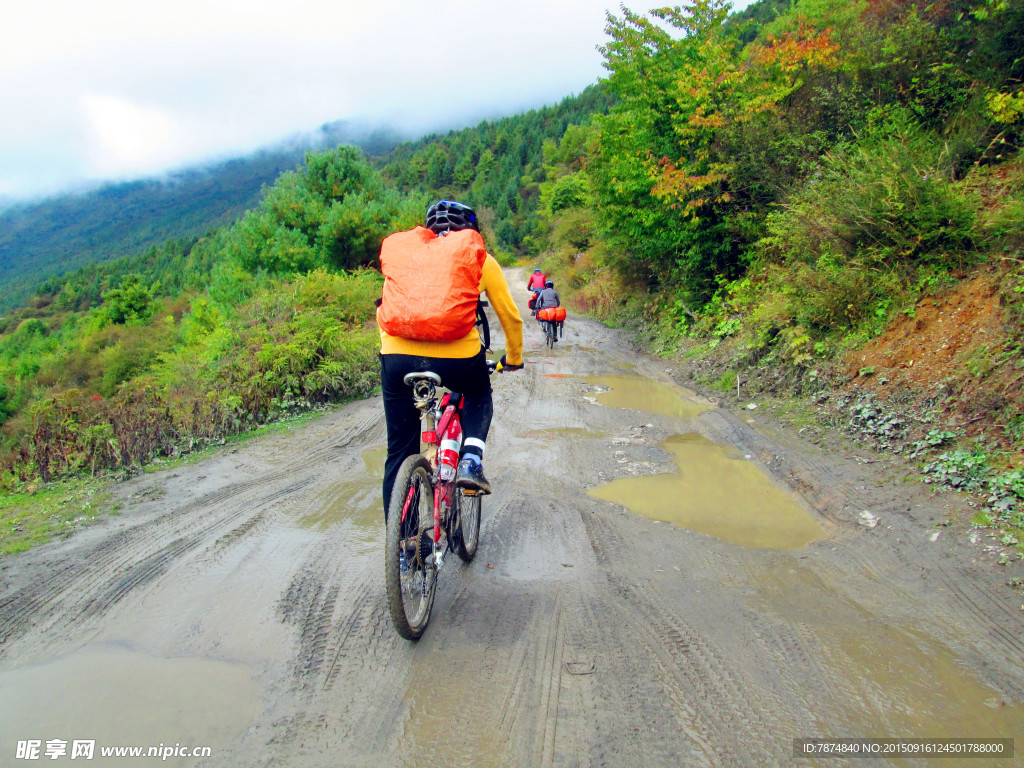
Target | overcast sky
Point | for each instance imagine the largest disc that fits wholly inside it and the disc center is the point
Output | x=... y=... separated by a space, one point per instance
x=116 y=89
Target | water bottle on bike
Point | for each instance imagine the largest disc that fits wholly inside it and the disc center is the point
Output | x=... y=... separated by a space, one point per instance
x=448 y=452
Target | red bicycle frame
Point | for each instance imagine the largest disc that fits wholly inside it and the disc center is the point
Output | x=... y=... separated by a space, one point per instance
x=443 y=490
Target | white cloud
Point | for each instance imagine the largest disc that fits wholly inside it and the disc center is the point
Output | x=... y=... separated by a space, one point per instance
x=128 y=137
x=115 y=88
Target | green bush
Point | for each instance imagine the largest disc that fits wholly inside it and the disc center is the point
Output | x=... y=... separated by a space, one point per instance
x=888 y=200
x=130 y=302
x=569 y=191
x=292 y=345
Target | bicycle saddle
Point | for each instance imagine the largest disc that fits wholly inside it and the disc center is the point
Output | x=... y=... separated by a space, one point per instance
x=424 y=384
x=411 y=378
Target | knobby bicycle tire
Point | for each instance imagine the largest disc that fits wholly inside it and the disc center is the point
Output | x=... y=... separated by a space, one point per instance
x=469 y=524
x=410 y=596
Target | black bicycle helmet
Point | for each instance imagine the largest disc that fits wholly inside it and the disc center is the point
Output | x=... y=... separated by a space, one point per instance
x=450 y=216
x=550 y=283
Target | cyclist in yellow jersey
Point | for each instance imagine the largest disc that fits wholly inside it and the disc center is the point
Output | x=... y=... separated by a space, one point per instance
x=461 y=364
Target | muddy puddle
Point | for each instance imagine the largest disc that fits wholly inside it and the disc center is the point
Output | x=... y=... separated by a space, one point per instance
x=892 y=681
x=354 y=499
x=719 y=493
x=641 y=393
x=114 y=696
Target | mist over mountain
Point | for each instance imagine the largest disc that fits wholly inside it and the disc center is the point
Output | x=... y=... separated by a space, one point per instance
x=51 y=236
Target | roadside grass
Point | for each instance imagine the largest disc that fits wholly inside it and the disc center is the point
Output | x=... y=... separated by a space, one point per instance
x=38 y=515
x=284 y=423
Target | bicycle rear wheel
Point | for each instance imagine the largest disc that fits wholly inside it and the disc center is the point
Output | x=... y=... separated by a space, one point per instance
x=409 y=573
x=469 y=524
x=549 y=337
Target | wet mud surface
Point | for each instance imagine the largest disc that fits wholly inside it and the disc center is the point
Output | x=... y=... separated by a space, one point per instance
x=660 y=581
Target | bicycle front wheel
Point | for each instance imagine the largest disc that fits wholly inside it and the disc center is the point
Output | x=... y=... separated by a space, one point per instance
x=410 y=574
x=469 y=524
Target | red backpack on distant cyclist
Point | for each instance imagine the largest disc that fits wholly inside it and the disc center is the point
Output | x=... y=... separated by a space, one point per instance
x=431 y=284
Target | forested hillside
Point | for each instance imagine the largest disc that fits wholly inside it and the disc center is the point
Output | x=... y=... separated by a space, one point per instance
x=773 y=190
x=60 y=234
x=496 y=166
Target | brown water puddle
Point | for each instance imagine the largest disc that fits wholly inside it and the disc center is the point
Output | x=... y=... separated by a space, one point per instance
x=716 y=493
x=892 y=681
x=118 y=697
x=356 y=499
x=641 y=393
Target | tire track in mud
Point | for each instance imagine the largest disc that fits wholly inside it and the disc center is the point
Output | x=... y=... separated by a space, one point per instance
x=990 y=609
x=636 y=712
x=892 y=568
x=726 y=705
x=617 y=703
x=568 y=724
x=471 y=684
x=121 y=555
x=129 y=567
x=530 y=708
x=75 y=596
x=789 y=646
x=495 y=646
x=544 y=720
x=345 y=651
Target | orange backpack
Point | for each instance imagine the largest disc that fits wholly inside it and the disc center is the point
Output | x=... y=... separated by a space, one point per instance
x=431 y=284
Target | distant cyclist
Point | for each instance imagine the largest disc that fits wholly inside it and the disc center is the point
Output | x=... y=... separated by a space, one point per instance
x=548 y=298
x=536 y=281
x=413 y=309
x=535 y=285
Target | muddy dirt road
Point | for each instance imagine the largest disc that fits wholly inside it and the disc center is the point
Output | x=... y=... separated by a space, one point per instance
x=238 y=602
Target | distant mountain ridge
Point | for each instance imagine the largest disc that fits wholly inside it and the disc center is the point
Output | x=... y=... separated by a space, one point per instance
x=59 y=234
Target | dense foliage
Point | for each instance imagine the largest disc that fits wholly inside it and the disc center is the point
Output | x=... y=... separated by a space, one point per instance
x=497 y=167
x=798 y=178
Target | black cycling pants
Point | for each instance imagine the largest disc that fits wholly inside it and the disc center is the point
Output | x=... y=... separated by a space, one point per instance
x=466 y=375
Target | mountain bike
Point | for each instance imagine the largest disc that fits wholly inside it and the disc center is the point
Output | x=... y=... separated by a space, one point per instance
x=550 y=334
x=552 y=318
x=429 y=516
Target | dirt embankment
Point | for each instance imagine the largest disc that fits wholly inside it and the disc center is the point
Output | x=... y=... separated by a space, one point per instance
x=950 y=353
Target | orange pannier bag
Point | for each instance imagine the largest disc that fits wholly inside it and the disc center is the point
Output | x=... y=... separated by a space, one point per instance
x=556 y=314
x=431 y=284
